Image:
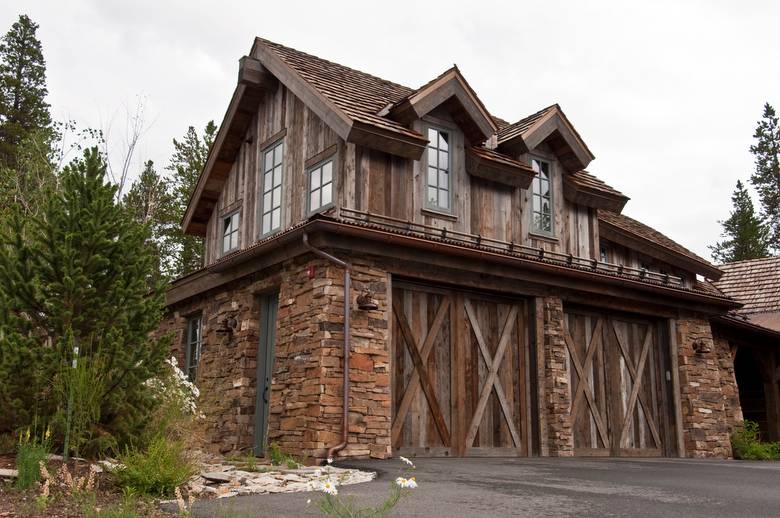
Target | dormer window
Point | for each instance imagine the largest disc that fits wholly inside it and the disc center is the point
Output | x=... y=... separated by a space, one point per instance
x=438 y=192
x=541 y=194
x=230 y=226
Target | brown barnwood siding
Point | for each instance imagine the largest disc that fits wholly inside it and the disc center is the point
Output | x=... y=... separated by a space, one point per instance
x=618 y=254
x=306 y=136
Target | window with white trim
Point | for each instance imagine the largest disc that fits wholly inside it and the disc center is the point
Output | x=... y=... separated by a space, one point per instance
x=271 y=186
x=321 y=186
x=437 y=185
x=230 y=226
x=541 y=198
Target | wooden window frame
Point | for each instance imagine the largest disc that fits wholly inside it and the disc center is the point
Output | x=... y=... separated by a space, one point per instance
x=190 y=367
x=550 y=168
x=230 y=215
x=309 y=170
x=428 y=205
x=261 y=188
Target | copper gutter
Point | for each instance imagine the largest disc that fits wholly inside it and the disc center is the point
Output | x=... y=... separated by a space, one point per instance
x=347 y=299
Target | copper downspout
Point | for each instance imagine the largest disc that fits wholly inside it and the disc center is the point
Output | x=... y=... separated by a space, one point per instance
x=347 y=298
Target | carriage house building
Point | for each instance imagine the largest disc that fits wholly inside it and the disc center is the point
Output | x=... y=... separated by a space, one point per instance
x=495 y=299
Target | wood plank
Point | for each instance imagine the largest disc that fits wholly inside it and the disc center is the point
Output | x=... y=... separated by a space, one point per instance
x=424 y=378
x=489 y=383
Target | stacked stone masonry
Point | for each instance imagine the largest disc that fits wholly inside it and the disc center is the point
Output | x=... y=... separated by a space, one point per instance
x=306 y=392
x=709 y=398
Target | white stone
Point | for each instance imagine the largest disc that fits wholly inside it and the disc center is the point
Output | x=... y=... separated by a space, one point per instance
x=8 y=473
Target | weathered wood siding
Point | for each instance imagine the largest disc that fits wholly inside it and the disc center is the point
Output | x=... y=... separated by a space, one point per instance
x=281 y=115
x=619 y=254
x=395 y=187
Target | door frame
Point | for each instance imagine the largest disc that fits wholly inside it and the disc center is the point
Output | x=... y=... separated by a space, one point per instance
x=268 y=307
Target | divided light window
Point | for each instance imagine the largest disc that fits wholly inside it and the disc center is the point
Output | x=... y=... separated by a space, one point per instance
x=194 y=343
x=438 y=177
x=541 y=192
x=321 y=186
x=230 y=226
x=271 y=211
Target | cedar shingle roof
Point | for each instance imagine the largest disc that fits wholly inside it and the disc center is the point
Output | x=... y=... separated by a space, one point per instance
x=492 y=154
x=650 y=234
x=359 y=95
x=755 y=283
x=587 y=180
x=517 y=128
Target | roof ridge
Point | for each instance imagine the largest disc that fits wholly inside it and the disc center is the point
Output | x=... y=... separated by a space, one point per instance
x=273 y=43
x=760 y=259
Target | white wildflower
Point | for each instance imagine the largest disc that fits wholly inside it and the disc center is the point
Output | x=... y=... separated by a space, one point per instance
x=328 y=486
x=330 y=460
x=406 y=483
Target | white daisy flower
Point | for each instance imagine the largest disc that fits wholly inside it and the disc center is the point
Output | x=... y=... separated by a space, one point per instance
x=329 y=487
x=330 y=461
x=411 y=483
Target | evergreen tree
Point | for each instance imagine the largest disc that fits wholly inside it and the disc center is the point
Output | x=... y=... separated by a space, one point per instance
x=187 y=162
x=766 y=177
x=23 y=106
x=78 y=274
x=746 y=236
x=150 y=202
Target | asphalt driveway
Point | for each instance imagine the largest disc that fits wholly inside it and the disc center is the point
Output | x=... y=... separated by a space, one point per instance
x=548 y=487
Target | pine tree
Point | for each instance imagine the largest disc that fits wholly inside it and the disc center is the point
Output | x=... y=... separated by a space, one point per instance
x=766 y=177
x=150 y=202
x=746 y=236
x=187 y=162
x=23 y=107
x=79 y=274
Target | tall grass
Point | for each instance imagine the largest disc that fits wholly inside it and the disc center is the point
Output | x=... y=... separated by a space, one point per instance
x=30 y=452
x=156 y=471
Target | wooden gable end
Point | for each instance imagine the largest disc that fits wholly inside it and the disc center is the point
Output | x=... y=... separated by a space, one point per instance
x=451 y=92
x=554 y=129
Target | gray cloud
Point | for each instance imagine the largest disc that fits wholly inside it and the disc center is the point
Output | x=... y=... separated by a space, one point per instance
x=666 y=94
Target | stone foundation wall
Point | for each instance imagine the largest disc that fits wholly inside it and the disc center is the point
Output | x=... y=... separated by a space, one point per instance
x=708 y=390
x=306 y=392
x=556 y=410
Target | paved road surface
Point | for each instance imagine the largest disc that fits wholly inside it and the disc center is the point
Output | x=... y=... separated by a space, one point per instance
x=549 y=487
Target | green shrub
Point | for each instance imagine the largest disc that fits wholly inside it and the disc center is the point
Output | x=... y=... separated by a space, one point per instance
x=275 y=454
x=158 y=471
x=746 y=445
x=30 y=452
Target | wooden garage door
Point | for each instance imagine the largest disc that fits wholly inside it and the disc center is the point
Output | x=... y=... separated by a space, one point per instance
x=460 y=363
x=619 y=390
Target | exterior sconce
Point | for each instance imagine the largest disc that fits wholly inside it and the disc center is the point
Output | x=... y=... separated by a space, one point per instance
x=366 y=300
x=701 y=347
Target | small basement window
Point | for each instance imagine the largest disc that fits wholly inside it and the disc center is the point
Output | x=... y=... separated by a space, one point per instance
x=194 y=344
x=230 y=226
x=271 y=209
x=541 y=194
x=321 y=186
x=438 y=191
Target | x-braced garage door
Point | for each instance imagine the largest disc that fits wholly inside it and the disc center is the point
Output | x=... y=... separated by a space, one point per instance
x=460 y=371
x=620 y=392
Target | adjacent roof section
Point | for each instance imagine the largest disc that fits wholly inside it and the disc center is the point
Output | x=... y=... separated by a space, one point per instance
x=755 y=283
x=584 y=188
x=632 y=233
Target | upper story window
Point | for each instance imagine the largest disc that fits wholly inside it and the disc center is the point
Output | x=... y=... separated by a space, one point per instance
x=271 y=208
x=230 y=226
x=438 y=191
x=321 y=186
x=541 y=193
x=604 y=255
x=194 y=344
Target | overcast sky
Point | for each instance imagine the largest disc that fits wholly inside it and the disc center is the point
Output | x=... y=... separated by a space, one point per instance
x=666 y=94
